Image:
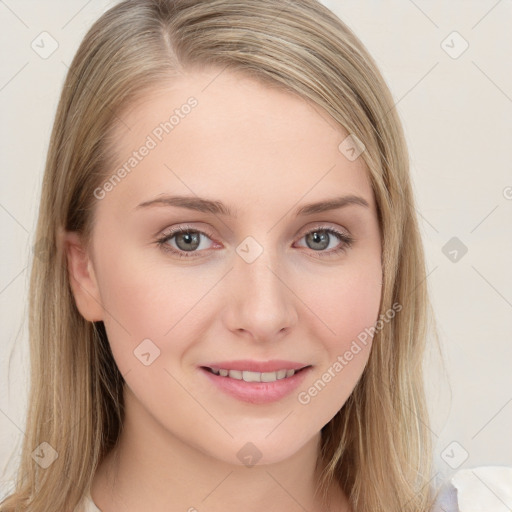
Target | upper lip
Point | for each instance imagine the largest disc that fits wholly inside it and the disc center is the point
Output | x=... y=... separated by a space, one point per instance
x=257 y=366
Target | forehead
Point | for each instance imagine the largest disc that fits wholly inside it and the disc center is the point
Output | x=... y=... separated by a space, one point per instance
x=221 y=134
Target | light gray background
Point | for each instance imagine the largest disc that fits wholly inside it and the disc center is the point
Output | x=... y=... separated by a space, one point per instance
x=457 y=115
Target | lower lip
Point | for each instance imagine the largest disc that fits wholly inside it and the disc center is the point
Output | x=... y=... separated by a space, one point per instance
x=258 y=392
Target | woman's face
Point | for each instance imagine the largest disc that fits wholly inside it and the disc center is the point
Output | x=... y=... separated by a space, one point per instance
x=249 y=280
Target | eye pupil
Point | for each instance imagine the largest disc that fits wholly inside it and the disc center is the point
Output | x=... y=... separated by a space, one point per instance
x=318 y=237
x=192 y=241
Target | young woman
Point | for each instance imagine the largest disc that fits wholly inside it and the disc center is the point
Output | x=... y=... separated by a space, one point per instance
x=230 y=310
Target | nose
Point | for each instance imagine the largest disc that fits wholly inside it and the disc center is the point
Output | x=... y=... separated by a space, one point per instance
x=260 y=303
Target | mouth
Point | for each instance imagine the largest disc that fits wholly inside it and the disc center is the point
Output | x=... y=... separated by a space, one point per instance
x=252 y=376
x=257 y=387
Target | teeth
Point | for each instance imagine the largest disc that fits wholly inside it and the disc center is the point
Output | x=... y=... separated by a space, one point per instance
x=251 y=376
x=235 y=374
x=248 y=376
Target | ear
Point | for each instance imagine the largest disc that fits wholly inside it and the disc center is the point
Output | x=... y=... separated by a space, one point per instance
x=81 y=276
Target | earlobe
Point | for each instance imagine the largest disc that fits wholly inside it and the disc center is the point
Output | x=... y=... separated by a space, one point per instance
x=82 y=278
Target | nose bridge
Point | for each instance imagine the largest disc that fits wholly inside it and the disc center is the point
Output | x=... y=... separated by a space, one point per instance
x=256 y=265
x=262 y=303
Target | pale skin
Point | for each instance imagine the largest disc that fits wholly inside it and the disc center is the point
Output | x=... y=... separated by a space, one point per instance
x=263 y=153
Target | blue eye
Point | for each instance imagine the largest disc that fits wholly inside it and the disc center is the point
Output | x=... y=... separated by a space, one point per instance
x=187 y=241
x=321 y=236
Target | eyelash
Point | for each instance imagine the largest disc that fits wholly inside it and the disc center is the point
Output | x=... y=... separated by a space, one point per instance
x=162 y=241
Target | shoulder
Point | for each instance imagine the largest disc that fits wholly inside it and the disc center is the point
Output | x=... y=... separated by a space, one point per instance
x=486 y=488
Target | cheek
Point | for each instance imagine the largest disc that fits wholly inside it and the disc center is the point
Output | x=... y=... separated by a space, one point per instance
x=345 y=304
x=347 y=309
x=145 y=299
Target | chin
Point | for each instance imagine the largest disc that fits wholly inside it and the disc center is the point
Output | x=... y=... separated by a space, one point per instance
x=260 y=450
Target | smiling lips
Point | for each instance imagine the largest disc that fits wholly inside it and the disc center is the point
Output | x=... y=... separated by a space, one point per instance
x=257 y=382
x=256 y=371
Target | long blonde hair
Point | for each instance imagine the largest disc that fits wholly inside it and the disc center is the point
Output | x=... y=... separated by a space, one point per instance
x=378 y=446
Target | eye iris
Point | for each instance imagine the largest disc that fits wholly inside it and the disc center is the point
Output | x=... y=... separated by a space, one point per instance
x=192 y=241
x=318 y=237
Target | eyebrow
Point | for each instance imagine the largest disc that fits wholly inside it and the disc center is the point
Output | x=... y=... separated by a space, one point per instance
x=218 y=208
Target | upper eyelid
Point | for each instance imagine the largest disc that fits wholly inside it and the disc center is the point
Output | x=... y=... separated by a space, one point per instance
x=319 y=226
x=186 y=227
